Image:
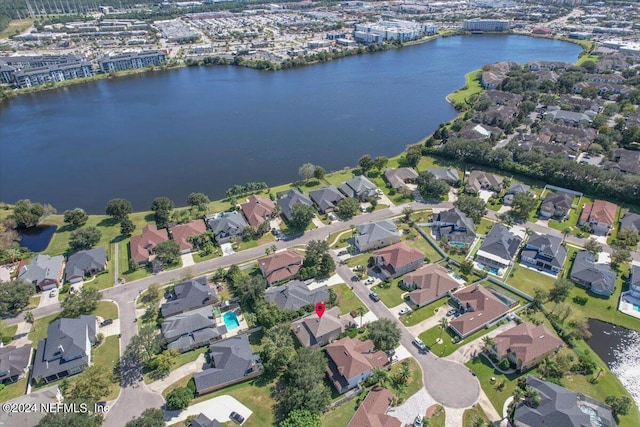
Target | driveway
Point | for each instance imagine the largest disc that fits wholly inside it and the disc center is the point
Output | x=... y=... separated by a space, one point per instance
x=187 y=259
x=46 y=300
x=415 y=405
x=218 y=408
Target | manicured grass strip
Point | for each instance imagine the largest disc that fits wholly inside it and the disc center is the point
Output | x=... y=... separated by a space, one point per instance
x=423 y=313
x=447 y=346
x=389 y=293
x=470 y=416
x=11 y=391
x=348 y=301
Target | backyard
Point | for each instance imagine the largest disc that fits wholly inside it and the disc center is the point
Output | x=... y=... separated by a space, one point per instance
x=526 y=279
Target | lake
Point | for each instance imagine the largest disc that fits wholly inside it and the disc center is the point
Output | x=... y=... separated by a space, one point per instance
x=619 y=348
x=204 y=129
x=36 y=239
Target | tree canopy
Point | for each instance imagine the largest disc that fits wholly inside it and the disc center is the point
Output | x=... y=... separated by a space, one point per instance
x=200 y=201
x=168 y=252
x=278 y=349
x=83 y=302
x=27 y=214
x=523 y=205
x=384 y=333
x=430 y=187
x=153 y=417
x=306 y=171
x=76 y=217
x=347 y=208
x=302 y=383
x=84 y=238
x=14 y=296
x=118 y=209
x=301 y=216
x=474 y=207
x=162 y=207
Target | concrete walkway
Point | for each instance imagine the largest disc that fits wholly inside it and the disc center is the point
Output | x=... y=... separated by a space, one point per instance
x=218 y=408
x=187 y=259
x=453 y=416
x=415 y=405
x=468 y=351
x=430 y=322
x=177 y=374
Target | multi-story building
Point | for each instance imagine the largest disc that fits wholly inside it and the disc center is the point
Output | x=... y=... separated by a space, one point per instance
x=392 y=30
x=478 y=24
x=131 y=60
x=27 y=71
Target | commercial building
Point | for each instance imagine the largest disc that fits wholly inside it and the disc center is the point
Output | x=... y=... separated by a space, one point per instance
x=478 y=24
x=131 y=60
x=392 y=30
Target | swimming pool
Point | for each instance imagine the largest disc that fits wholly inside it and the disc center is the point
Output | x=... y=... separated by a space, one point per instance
x=231 y=320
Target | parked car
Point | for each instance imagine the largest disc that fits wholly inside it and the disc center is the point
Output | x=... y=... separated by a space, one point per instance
x=418 y=421
x=106 y=322
x=418 y=343
x=332 y=216
x=374 y=296
x=343 y=252
x=53 y=292
x=404 y=311
x=370 y=281
x=354 y=278
x=236 y=417
x=394 y=358
x=451 y=312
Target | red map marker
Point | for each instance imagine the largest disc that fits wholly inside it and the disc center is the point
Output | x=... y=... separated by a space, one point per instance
x=320 y=308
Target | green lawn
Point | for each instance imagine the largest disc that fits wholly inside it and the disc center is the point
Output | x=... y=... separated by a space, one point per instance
x=7 y=333
x=348 y=301
x=472 y=414
x=447 y=346
x=574 y=215
x=463 y=96
x=389 y=293
x=423 y=313
x=484 y=371
x=527 y=280
x=415 y=381
x=337 y=178
x=361 y=259
x=340 y=238
x=424 y=246
x=485 y=226
x=181 y=360
x=34 y=301
x=108 y=353
x=106 y=279
x=439 y=418
x=11 y=391
x=341 y=415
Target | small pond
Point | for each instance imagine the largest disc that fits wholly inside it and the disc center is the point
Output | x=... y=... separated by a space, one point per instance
x=36 y=239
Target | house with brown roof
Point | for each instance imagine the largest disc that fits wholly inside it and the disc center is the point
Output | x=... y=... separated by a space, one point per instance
x=280 y=266
x=181 y=234
x=480 y=307
x=313 y=331
x=141 y=247
x=352 y=361
x=600 y=215
x=397 y=259
x=525 y=345
x=372 y=412
x=258 y=210
x=430 y=283
x=479 y=180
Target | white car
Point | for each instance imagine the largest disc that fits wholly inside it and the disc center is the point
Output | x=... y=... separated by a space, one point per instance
x=418 y=343
x=404 y=311
x=53 y=293
x=370 y=281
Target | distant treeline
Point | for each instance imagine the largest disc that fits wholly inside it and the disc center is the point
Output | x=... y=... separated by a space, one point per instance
x=249 y=187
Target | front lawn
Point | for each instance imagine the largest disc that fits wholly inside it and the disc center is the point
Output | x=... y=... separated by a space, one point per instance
x=7 y=333
x=361 y=259
x=339 y=239
x=485 y=226
x=484 y=371
x=471 y=415
x=423 y=313
x=415 y=381
x=347 y=300
x=341 y=415
x=389 y=293
x=181 y=360
x=447 y=346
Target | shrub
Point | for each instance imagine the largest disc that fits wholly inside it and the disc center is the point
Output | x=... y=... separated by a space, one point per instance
x=179 y=398
x=504 y=364
x=580 y=300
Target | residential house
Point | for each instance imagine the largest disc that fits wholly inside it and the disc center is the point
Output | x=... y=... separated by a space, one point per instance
x=568 y=118
x=634 y=280
x=627 y=161
x=454 y=226
x=39 y=397
x=226 y=225
x=258 y=210
x=374 y=235
x=560 y=407
x=203 y=421
x=182 y=233
x=515 y=188
x=630 y=220
x=296 y=295
x=14 y=363
x=479 y=180
x=232 y=361
x=600 y=215
x=448 y=175
x=280 y=266
x=526 y=345
x=556 y=205
x=397 y=260
x=45 y=272
x=141 y=247
x=429 y=283
x=480 y=306
x=359 y=188
x=66 y=350
x=326 y=198
x=373 y=410
x=352 y=361
x=191 y=329
x=398 y=178
x=313 y=331
x=592 y=275
x=289 y=200
x=188 y=295
x=498 y=248
x=85 y=263
x=477 y=132
x=544 y=252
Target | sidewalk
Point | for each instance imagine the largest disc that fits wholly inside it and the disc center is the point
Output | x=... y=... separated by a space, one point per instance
x=176 y=374
x=453 y=416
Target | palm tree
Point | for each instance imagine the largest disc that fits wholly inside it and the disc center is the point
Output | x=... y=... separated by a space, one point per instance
x=593 y=247
x=487 y=343
x=29 y=318
x=381 y=376
x=444 y=323
x=361 y=311
x=532 y=396
x=565 y=233
x=478 y=422
x=404 y=373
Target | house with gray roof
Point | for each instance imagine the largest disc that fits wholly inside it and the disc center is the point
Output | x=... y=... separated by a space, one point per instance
x=454 y=226
x=498 y=248
x=203 y=421
x=448 y=175
x=398 y=178
x=38 y=396
x=544 y=252
x=556 y=205
x=295 y=295
x=85 y=263
x=634 y=280
x=313 y=331
x=66 y=350
x=45 y=272
x=232 y=361
x=326 y=198
x=192 y=329
x=194 y=293
x=289 y=200
x=226 y=225
x=359 y=188
x=14 y=362
x=630 y=220
x=480 y=180
x=596 y=277
x=560 y=407
x=569 y=118
x=515 y=188
x=375 y=235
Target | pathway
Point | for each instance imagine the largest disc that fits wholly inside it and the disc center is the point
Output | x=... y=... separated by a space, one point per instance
x=453 y=417
x=469 y=350
x=116 y=266
x=177 y=374
x=415 y=405
x=219 y=408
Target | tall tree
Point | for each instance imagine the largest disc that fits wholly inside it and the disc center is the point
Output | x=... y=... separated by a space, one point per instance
x=152 y=417
x=620 y=405
x=250 y=290
x=319 y=172
x=145 y=345
x=168 y=252
x=384 y=333
x=306 y=171
x=93 y=385
x=365 y=163
x=118 y=209
x=593 y=247
x=523 y=204
x=162 y=207
x=430 y=187
x=14 y=296
x=347 y=208
x=301 y=216
x=560 y=290
x=76 y=217
x=27 y=214
x=301 y=418
x=71 y=419
x=474 y=207
x=83 y=302
x=413 y=156
x=380 y=162
x=302 y=384
x=619 y=257
x=84 y=238
x=127 y=227
x=278 y=349
x=200 y=201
